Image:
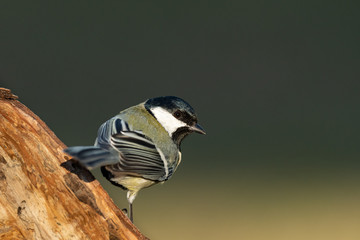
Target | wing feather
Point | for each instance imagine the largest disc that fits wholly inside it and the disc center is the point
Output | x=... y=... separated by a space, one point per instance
x=137 y=154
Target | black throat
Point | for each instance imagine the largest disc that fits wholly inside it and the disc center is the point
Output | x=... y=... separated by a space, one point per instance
x=180 y=134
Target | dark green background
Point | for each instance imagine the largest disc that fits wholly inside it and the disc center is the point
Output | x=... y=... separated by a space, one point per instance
x=275 y=85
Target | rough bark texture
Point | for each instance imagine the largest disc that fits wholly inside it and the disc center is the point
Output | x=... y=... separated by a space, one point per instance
x=43 y=193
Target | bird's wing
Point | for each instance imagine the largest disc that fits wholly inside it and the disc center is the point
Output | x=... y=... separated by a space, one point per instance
x=138 y=155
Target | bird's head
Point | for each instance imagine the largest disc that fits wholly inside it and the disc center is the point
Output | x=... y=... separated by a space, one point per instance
x=176 y=116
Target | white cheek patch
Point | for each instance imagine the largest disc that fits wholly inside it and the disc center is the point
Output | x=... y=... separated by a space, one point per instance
x=167 y=120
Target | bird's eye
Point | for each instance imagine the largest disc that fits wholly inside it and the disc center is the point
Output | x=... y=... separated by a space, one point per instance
x=177 y=114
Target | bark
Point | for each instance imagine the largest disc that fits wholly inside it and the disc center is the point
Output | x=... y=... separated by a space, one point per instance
x=43 y=193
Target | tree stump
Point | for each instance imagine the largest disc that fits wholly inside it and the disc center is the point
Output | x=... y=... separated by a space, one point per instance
x=43 y=193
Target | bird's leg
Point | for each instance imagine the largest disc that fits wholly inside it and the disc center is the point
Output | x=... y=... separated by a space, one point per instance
x=131 y=197
x=131 y=212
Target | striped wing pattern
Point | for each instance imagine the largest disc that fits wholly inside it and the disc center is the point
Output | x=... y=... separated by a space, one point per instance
x=137 y=154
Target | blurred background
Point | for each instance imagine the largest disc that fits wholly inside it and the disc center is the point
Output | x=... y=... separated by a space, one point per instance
x=275 y=85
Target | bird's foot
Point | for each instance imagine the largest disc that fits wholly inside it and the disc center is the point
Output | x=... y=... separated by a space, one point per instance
x=125 y=211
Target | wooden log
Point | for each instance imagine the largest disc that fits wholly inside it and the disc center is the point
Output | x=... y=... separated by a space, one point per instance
x=43 y=193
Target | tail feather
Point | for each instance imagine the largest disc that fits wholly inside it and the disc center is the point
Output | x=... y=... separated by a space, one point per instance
x=92 y=157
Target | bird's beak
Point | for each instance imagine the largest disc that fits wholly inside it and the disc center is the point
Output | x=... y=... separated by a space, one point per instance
x=197 y=128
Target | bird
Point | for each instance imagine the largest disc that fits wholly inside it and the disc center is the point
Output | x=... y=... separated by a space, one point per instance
x=140 y=146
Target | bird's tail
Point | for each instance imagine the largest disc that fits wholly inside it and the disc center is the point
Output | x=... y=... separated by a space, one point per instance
x=92 y=157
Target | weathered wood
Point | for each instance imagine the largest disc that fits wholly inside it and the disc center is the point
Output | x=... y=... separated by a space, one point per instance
x=44 y=194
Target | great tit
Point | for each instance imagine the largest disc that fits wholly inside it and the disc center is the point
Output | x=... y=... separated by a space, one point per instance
x=140 y=146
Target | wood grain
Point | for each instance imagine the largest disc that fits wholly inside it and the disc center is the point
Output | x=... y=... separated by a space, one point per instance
x=43 y=193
